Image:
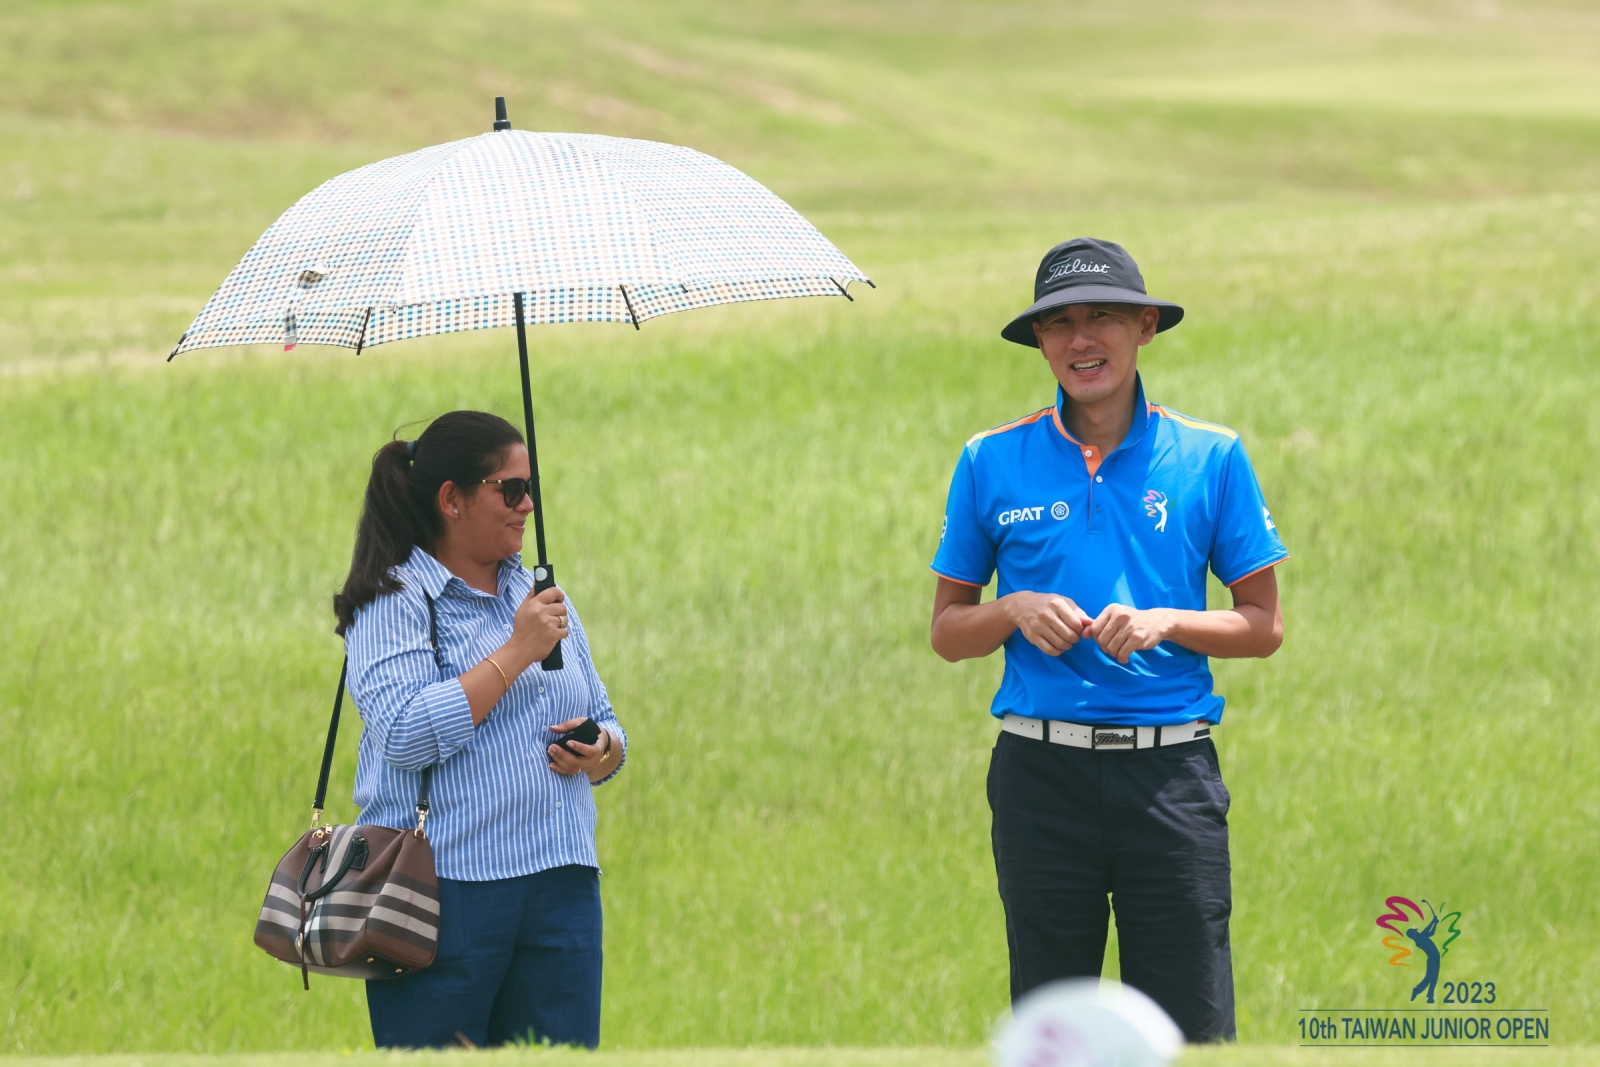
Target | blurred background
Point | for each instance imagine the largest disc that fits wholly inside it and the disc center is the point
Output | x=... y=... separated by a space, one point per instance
x=1382 y=218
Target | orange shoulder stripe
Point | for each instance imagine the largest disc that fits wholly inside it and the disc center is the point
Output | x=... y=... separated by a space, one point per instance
x=1194 y=424
x=1025 y=420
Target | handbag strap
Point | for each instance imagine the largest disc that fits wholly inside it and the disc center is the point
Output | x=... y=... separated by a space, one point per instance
x=327 y=750
x=425 y=787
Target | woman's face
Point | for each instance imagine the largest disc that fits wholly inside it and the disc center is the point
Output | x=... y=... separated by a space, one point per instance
x=485 y=529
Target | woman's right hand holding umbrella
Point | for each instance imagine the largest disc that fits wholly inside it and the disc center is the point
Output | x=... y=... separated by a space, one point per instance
x=540 y=624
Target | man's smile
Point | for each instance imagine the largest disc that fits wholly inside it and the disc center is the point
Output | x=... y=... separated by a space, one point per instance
x=1085 y=365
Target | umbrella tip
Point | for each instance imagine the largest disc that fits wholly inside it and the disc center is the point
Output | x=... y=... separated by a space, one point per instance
x=500 y=120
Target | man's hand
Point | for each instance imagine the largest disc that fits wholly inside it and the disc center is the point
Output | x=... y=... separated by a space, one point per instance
x=1121 y=631
x=1050 y=622
x=596 y=760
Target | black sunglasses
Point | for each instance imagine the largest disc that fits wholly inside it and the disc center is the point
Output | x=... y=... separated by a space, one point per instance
x=512 y=490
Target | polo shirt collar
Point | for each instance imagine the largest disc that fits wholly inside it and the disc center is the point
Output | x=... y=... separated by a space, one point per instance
x=1136 y=431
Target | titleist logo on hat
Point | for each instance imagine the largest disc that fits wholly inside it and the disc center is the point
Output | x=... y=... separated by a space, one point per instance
x=1086 y=261
x=1078 y=266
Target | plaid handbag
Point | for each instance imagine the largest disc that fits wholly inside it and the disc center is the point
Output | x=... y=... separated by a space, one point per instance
x=355 y=901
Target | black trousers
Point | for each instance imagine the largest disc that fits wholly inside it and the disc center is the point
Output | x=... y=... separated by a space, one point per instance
x=1149 y=828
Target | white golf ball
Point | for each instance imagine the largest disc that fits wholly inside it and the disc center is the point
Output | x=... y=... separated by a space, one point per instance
x=1087 y=1022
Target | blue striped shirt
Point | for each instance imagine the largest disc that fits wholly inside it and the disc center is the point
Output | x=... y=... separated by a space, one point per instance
x=497 y=809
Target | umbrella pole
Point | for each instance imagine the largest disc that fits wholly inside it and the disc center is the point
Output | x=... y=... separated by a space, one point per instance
x=544 y=575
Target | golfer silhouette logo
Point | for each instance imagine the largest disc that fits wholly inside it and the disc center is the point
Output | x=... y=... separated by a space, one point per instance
x=1428 y=938
x=1155 y=506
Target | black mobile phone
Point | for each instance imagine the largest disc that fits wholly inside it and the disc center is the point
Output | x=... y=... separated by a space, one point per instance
x=587 y=731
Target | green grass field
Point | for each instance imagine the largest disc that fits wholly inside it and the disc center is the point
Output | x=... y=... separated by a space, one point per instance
x=1383 y=221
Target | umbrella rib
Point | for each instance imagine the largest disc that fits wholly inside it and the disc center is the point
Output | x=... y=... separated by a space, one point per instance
x=842 y=290
x=361 y=340
x=625 y=300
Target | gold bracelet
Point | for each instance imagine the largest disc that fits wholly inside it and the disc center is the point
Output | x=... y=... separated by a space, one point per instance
x=503 y=678
x=610 y=740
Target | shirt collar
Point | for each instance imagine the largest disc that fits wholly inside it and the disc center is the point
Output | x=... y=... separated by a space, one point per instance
x=434 y=577
x=1141 y=416
x=509 y=566
x=430 y=575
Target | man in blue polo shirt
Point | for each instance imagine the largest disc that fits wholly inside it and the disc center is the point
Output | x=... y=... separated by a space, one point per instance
x=1101 y=515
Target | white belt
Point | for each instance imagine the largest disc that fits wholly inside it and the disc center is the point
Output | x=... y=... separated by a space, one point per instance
x=1105 y=738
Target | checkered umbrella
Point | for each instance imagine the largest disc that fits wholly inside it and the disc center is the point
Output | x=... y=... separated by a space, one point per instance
x=513 y=227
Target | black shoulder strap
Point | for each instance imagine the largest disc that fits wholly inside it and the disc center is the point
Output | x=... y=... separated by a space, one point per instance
x=438 y=659
x=333 y=729
x=327 y=751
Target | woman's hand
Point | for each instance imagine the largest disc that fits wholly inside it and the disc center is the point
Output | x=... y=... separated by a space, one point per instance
x=541 y=623
x=596 y=760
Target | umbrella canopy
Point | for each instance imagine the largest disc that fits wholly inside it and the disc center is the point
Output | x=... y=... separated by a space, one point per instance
x=587 y=228
x=516 y=227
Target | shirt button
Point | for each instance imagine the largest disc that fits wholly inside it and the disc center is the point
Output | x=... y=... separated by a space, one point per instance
x=1088 y=452
x=1098 y=478
x=541 y=689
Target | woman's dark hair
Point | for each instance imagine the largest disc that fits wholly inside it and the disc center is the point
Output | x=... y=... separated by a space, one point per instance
x=400 y=511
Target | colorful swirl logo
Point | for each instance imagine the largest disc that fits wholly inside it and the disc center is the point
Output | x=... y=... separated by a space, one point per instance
x=1402 y=927
x=1155 y=504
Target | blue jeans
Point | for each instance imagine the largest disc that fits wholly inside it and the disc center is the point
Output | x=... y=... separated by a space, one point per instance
x=519 y=959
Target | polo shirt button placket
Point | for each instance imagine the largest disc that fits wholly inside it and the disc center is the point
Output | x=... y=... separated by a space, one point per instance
x=1088 y=457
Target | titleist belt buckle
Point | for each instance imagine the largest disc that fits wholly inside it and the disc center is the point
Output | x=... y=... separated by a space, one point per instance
x=1113 y=737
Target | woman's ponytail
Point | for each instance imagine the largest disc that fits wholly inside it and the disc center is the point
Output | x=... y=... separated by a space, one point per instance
x=400 y=510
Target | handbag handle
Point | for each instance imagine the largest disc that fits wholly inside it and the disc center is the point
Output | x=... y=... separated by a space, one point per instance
x=333 y=731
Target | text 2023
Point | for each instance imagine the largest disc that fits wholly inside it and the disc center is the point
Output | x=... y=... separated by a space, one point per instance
x=1468 y=992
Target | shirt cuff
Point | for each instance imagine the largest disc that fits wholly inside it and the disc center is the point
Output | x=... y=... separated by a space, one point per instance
x=1255 y=570
x=619 y=740
x=450 y=716
x=958 y=581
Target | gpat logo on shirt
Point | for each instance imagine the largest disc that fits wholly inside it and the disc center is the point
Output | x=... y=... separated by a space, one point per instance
x=1020 y=515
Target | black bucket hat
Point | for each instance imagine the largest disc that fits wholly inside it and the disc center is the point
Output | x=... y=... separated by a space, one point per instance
x=1086 y=270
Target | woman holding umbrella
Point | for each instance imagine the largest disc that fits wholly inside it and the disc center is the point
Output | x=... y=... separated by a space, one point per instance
x=512 y=818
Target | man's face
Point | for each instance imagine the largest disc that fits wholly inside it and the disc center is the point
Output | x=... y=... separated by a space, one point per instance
x=1093 y=349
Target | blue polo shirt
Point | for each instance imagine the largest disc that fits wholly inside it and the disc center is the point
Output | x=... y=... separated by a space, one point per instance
x=1139 y=526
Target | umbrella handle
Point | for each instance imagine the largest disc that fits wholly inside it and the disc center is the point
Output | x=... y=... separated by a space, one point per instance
x=544 y=577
